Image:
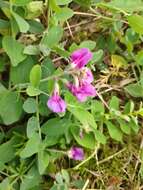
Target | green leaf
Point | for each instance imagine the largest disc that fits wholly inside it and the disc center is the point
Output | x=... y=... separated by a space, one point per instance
x=97 y=107
x=20 y=73
x=34 y=9
x=35 y=27
x=122 y=5
x=14 y=50
x=114 y=103
x=35 y=75
x=125 y=127
x=84 y=3
x=5 y=184
x=7 y=151
x=55 y=127
x=32 y=146
x=129 y=107
x=139 y=58
x=31 y=50
x=22 y=24
x=31 y=179
x=2 y=88
x=64 y=14
x=63 y=2
x=52 y=37
x=100 y=137
x=97 y=56
x=135 y=90
x=30 y=106
x=88 y=44
x=84 y=116
x=88 y=139
x=31 y=91
x=21 y=2
x=134 y=124
x=10 y=107
x=4 y=26
x=136 y=22
x=114 y=131
x=32 y=126
x=43 y=161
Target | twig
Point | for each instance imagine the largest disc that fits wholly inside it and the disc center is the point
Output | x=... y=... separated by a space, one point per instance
x=138 y=160
x=69 y=29
x=101 y=98
x=86 y=184
x=111 y=157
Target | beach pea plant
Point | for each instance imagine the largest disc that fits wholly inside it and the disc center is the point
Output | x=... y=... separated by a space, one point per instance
x=71 y=89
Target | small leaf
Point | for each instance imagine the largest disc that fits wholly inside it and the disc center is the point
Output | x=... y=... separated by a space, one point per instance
x=114 y=103
x=129 y=107
x=135 y=90
x=31 y=91
x=10 y=107
x=35 y=75
x=52 y=37
x=100 y=137
x=32 y=126
x=114 y=131
x=43 y=161
x=21 y=2
x=63 y=2
x=97 y=56
x=136 y=22
x=122 y=5
x=55 y=127
x=20 y=73
x=30 y=106
x=22 y=24
x=14 y=50
x=64 y=14
x=139 y=57
x=125 y=127
x=88 y=44
x=134 y=124
x=32 y=146
x=31 y=50
x=88 y=139
x=7 y=151
x=31 y=180
x=84 y=116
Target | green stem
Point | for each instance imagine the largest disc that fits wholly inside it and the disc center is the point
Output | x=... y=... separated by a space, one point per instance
x=56 y=151
x=25 y=85
x=48 y=12
x=86 y=160
x=38 y=119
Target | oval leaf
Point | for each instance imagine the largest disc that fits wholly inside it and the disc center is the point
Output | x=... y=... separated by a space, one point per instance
x=35 y=75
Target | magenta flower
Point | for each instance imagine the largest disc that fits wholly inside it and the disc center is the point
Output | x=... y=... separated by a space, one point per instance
x=56 y=103
x=82 y=92
x=81 y=57
x=87 y=76
x=76 y=153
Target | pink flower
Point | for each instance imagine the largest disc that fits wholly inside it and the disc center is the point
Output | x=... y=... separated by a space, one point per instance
x=56 y=103
x=76 y=153
x=81 y=57
x=83 y=91
x=87 y=76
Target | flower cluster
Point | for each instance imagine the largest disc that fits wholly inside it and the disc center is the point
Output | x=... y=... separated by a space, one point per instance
x=81 y=88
